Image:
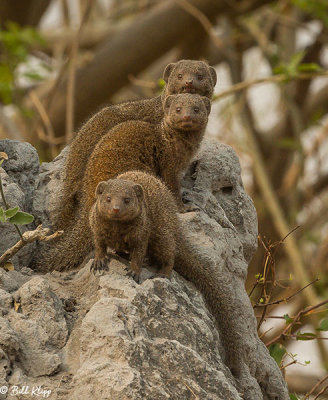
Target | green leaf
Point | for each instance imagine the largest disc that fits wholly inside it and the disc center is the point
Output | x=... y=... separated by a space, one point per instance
x=288 y=319
x=11 y=212
x=21 y=218
x=310 y=67
x=323 y=325
x=277 y=351
x=295 y=61
x=307 y=362
x=306 y=336
x=161 y=83
x=293 y=396
x=2 y=215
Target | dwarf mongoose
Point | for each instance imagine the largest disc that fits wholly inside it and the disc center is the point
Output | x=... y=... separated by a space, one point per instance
x=185 y=76
x=137 y=214
x=164 y=150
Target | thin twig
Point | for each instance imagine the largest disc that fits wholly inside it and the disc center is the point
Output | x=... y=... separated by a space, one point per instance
x=322 y=391
x=203 y=20
x=45 y=119
x=287 y=298
x=71 y=74
x=315 y=387
x=296 y=320
x=39 y=233
x=271 y=79
x=288 y=365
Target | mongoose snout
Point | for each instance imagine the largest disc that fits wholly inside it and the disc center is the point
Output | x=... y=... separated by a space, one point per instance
x=115 y=203
x=186 y=111
x=189 y=76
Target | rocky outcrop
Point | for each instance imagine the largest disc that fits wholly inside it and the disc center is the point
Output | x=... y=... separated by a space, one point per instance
x=84 y=336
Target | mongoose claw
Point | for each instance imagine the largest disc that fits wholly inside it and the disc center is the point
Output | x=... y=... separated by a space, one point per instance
x=99 y=266
x=135 y=275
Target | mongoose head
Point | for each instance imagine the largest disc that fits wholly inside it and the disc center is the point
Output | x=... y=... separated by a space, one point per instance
x=119 y=200
x=189 y=76
x=186 y=112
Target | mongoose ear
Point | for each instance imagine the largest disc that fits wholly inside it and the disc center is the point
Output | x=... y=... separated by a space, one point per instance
x=139 y=191
x=100 y=188
x=213 y=75
x=207 y=103
x=167 y=71
x=168 y=101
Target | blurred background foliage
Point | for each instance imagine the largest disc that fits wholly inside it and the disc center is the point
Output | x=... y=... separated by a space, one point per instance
x=62 y=60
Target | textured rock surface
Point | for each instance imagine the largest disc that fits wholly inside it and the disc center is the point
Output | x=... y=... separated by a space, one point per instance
x=48 y=189
x=18 y=175
x=106 y=337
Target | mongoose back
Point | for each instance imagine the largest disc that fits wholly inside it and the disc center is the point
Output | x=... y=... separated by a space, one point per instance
x=137 y=214
x=164 y=150
x=185 y=76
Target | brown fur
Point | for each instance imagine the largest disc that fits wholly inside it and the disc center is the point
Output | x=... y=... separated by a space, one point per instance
x=185 y=76
x=135 y=213
x=164 y=150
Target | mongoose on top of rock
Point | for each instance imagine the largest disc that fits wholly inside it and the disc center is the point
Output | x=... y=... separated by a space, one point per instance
x=164 y=149
x=137 y=214
x=185 y=76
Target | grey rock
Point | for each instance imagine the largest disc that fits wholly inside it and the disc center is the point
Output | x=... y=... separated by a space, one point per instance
x=48 y=189
x=22 y=166
x=213 y=184
x=145 y=338
x=160 y=339
x=6 y=300
x=41 y=327
x=14 y=196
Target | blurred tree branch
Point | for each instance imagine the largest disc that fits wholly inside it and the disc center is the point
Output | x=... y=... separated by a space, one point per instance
x=153 y=33
x=27 y=12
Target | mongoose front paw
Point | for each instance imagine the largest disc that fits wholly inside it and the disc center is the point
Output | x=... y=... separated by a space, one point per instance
x=99 y=265
x=135 y=275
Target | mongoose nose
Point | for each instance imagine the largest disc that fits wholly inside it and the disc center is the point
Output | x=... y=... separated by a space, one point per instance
x=116 y=209
x=189 y=82
x=187 y=117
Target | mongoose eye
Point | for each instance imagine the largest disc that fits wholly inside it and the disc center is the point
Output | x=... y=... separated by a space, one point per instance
x=200 y=77
x=179 y=76
x=108 y=199
x=178 y=109
x=196 y=110
x=127 y=200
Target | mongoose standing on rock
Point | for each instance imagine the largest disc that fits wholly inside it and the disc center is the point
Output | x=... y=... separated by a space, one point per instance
x=137 y=214
x=164 y=150
x=185 y=76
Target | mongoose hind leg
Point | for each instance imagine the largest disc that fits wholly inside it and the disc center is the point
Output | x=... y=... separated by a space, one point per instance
x=162 y=254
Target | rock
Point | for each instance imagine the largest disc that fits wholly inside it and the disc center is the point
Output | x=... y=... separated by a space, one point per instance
x=22 y=167
x=18 y=178
x=11 y=280
x=157 y=340
x=214 y=182
x=48 y=189
x=41 y=326
x=141 y=349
